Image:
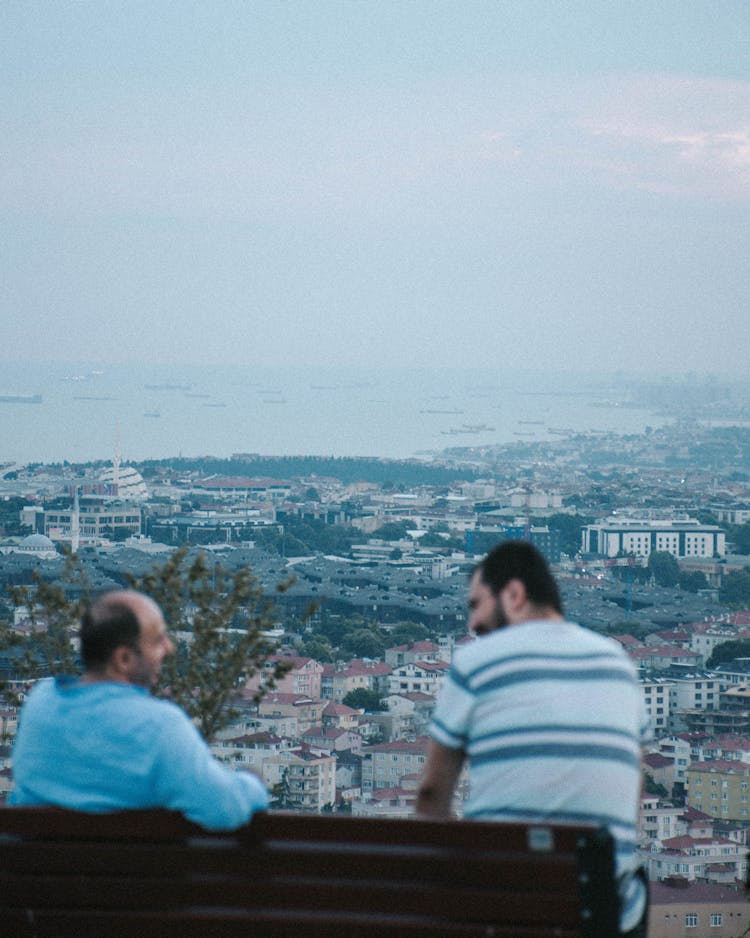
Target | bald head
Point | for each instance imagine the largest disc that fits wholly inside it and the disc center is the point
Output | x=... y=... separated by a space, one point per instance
x=123 y=636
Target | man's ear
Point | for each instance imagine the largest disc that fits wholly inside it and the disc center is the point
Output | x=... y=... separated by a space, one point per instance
x=514 y=594
x=122 y=659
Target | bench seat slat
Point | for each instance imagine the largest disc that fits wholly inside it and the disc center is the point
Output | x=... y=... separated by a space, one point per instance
x=155 y=875
x=222 y=924
x=293 y=893
x=515 y=871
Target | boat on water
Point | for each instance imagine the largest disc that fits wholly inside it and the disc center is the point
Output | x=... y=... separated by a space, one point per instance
x=19 y=398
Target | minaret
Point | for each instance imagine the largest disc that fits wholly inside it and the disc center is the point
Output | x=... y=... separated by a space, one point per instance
x=75 y=524
x=116 y=460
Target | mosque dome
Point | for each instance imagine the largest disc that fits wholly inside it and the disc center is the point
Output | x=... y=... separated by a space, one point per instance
x=130 y=482
x=37 y=542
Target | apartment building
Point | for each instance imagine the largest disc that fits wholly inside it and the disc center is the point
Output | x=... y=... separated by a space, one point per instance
x=701 y=910
x=721 y=788
x=686 y=537
x=730 y=717
x=659 y=820
x=95 y=519
x=656 y=698
x=277 y=710
x=423 y=677
x=310 y=780
x=386 y=764
x=303 y=677
x=369 y=675
x=713 y=859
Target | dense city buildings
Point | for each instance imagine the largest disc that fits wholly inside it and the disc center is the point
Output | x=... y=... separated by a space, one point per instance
x=649 y=547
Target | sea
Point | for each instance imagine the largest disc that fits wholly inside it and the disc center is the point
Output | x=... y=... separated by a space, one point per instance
x=82 y=412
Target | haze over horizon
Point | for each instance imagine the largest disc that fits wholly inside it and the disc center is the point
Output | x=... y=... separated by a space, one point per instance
x=524 y=185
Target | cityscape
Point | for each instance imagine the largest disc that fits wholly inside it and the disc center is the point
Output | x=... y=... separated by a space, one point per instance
x=648 y=535
x=306 y=307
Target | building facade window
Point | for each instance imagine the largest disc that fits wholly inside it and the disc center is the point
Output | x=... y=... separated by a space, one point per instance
x=691 y=920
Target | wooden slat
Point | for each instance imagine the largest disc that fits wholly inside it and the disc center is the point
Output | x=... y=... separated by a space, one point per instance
x=269 y=925
x=145 y=873
x=513 y=869
x=291 y=894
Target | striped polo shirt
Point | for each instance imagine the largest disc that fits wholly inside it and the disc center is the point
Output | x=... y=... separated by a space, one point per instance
x=552 y=721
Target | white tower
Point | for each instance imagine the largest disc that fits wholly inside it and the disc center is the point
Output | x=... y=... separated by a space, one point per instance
x=116 y=460
x=75 y=524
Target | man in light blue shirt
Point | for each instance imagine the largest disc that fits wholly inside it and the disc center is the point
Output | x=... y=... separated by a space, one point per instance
x=101 y=742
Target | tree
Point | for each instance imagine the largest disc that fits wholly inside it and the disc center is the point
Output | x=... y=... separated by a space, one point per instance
x=739 y=534
x=364 y=643
x=735 y=589
x=569 y=528
x=652 y=787
x=281 y=792
x=220 y=618
x=363 y=699
x=664 y=568
x=392 y=531
x=728 y=651
x=317 y=648
x=228 y=615
x=692 y=582
x=51 y=611
x=406 y=632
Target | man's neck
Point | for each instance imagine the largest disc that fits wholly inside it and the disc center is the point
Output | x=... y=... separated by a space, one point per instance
x=103 y=676
x=534 y=613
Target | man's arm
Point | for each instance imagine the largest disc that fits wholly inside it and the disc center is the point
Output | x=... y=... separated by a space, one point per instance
x=192 y=781
x=439 y=779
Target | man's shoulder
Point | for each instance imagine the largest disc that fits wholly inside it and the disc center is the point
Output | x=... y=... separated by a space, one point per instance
x=533 y=638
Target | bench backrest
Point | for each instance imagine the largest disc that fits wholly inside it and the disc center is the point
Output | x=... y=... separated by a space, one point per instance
x=142 y=873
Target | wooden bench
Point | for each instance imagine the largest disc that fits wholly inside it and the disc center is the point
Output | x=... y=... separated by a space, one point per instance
x=151 y=873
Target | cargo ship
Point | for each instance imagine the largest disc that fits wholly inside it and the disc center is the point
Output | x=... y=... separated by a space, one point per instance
x=20 y=398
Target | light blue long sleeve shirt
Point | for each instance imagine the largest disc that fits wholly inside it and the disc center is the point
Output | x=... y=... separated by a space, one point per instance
x=109 y=746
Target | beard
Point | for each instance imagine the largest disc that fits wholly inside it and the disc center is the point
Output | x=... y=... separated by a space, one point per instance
x=500 y=619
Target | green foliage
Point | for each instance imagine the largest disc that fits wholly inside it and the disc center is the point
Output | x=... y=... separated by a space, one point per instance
x=664 y=568
x=345 y=469
x=569 y=527
x=735 y=589
x=436 y=537
x=317 y=648
x=364 y=643
x=739 y=535
x=336 y=628
x=224 y=614
x=307 y=537
x=52 y=610
x=392 y=531
x=728 y=651
x=654 y=788
x=227 y=614
x=407 y=632
x=363 y=699
x=692 y=582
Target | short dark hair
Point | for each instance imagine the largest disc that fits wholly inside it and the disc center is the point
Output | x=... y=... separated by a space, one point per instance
x=519 y=560
x=105 y=625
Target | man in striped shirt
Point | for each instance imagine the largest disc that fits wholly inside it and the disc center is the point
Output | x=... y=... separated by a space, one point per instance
x=548 y=714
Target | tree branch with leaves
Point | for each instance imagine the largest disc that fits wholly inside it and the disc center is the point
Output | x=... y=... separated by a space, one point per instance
x=220 y=618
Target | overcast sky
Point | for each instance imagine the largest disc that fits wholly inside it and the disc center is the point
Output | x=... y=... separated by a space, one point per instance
x=469 y=183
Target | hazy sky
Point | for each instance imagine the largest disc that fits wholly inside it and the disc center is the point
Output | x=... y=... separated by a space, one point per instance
x=564 y=184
